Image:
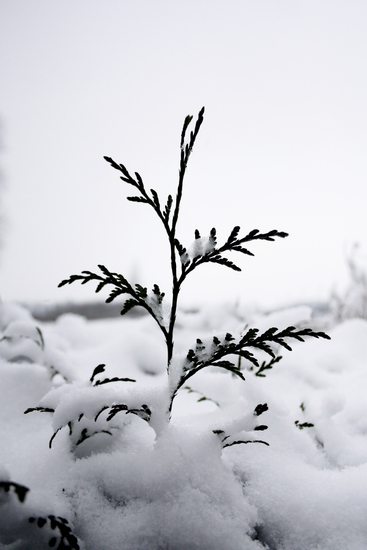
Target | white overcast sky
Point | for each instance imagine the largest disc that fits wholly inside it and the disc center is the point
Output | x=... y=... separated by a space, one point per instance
x=283 y=144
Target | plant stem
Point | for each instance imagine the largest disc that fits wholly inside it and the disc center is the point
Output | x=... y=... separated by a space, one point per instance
x=176 y=283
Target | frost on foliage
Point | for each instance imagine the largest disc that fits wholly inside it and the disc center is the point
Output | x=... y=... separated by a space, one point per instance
x=160 y=310
x=296 y=316
x=102 y=407
x=200 y=247
x=242 y=430
x=77 y=405
x=219 y=352
x=9 y=488
x=204 y=249
x=184 y=489
x=285 y=491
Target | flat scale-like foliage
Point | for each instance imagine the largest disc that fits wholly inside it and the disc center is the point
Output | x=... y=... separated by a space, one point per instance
x=183 y=261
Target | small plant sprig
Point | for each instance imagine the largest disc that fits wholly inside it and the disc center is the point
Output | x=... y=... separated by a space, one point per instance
x=228 y=440
x=20 y=490
x=184 y=261
x=85 y=433
x=303 y=425
x=62 y=534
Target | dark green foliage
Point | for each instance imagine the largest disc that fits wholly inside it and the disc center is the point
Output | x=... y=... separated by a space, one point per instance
x=85 y=432
x=63 y=537
x=114 y=379
x=99 y=369
x=139 y=294
x=54 y=435
x=39 y=409
x=201 y=357
x=85 y=435
x=144 y=412
x=20 y=490
x=226 y=438
x=260 y=409
x=202 y=397
x=41 y=342
x=240 y=441
x=267 y=366
x=233 y=244
x=304 y=425
x=183 y=261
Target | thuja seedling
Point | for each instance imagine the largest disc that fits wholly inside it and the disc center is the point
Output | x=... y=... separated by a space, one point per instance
x=183 y=261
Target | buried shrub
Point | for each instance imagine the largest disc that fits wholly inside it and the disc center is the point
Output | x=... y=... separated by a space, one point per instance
x=20 y=525
x=101 y=405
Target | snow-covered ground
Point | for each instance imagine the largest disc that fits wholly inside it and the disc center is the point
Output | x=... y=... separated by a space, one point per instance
x=124 y=489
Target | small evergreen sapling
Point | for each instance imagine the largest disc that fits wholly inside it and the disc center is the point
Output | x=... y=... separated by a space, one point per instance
x=219 y=351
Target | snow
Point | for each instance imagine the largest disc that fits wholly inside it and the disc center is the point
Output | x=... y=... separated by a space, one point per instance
x=200 y=247
x=139 y=485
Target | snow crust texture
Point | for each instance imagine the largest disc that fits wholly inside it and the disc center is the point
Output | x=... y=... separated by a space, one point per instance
x=120 y=487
